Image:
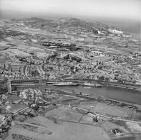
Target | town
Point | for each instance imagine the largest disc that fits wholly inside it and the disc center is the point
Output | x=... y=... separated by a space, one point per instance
x=48 y=69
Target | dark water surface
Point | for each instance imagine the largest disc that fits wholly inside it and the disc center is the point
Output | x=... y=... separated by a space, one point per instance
x=114 y=93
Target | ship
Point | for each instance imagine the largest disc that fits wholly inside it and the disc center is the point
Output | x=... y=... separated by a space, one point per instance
x=92 y=85
x=65 y=84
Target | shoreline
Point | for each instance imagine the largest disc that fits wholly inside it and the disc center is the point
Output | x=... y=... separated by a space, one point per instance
x=103 y=99
x=99 y=84
x=85 y=82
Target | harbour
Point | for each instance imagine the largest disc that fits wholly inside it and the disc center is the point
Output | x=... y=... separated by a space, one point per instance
x=107 y=92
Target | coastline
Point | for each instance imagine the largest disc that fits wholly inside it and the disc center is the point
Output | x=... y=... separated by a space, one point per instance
x=99 y=84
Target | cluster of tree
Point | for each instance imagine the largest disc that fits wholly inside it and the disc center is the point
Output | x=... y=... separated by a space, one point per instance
x=3 y=86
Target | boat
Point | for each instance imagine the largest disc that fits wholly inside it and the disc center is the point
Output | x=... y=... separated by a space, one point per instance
x=65 y=84
x=92 y=84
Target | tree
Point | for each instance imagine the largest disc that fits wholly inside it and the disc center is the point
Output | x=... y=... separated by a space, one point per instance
x=3 y=86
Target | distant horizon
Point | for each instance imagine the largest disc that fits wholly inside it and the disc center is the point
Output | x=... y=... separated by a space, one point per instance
x=128 y=9
x=124 y=14
x=128 y=25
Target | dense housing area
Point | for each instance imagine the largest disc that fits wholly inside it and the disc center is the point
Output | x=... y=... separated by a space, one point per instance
x=43 y=66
